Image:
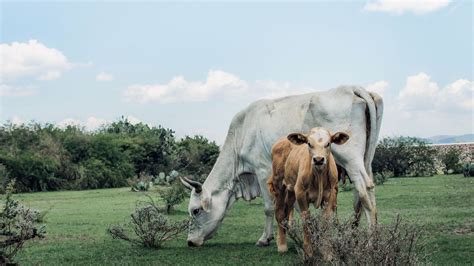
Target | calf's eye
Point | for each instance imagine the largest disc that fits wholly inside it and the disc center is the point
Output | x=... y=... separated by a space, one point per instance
x=196 y=211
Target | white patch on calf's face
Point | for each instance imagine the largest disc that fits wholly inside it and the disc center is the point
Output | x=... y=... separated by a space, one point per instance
x=319 y=140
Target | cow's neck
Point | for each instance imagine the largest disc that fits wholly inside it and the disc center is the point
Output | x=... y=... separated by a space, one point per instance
x=222 y=174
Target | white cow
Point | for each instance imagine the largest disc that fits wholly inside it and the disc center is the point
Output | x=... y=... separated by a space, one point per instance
x=244 y=163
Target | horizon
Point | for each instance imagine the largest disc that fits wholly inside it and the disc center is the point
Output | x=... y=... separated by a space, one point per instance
x=191 y=67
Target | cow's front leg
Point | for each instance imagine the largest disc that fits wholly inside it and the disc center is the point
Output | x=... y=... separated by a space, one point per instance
x=269 y=210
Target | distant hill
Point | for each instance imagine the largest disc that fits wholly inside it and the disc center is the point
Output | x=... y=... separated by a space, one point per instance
x=442 y=139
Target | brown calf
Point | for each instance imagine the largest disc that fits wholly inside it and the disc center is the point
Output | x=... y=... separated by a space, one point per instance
x=305 y=173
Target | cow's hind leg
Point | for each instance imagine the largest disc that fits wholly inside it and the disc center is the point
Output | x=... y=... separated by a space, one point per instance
x=267 y=235
x=365 y=194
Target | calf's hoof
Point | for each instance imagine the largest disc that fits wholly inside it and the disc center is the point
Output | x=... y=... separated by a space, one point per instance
x=282 y=248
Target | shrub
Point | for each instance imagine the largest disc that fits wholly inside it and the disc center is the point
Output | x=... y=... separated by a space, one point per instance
x=468 y=169
x=173 y=196
x=148 y=227
x=343 y=244
x=18 y=224
x=381 y=177
x=451 y=160
x=143 y=183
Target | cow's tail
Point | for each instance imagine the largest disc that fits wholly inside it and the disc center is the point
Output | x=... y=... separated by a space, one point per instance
x=374 y=121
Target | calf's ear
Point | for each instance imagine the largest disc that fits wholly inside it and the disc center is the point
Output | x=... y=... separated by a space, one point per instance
x=297 y=138
x=339 y=138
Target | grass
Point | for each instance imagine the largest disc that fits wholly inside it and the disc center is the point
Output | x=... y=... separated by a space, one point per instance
x=77 y=222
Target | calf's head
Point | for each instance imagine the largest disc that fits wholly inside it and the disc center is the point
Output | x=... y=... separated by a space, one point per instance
x=319 y=143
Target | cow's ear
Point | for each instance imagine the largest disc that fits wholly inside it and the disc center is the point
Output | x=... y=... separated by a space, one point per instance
x=206 y=200
x=297 y=138
x=339 y=138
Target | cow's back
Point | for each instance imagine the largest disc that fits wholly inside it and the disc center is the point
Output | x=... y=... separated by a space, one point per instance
x=266 y=121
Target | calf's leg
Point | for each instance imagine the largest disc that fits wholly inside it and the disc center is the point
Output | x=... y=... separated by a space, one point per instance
x=281 y=216
x=303 y=204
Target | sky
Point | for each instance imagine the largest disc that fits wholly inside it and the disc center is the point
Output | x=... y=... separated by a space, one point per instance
x=191 y=66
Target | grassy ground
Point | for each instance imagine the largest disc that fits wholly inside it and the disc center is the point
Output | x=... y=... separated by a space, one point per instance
x=77 y=222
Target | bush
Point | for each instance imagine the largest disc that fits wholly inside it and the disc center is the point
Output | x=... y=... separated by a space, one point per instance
x=144 y=183
x=18 y=224
x=404 y=156
x=148 y=227
x=343 y=244
x=452 y=160
x=468 y=169
x=173 y=196
x=381 y=177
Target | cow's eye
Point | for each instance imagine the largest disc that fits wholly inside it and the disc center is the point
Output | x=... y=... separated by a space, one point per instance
x=309 y=145
x=327 y=145
x=196 y=211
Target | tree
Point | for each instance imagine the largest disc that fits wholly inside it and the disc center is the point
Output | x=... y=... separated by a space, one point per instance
x=451 y=159
x=150 y=148
x=196 y=155
x=404 y=156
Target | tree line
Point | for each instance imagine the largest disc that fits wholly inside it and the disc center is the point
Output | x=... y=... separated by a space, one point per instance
x=45 y=157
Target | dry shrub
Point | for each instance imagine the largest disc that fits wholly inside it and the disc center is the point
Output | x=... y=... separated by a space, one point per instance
x=148 y=227
x=18 y=224
x=397 y=243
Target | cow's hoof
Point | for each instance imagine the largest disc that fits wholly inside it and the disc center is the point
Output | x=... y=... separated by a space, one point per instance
x=263 y=243
x=282 y=248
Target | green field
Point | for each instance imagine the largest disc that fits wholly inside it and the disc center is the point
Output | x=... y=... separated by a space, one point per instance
x=77 y=222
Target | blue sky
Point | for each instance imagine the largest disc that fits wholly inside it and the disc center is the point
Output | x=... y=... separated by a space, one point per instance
x=192 y=66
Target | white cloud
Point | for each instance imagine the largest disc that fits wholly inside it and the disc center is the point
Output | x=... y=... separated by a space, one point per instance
x=102 y=76
x=401 y=6
x=90 y=123
x=425 y=108
x=378 y=87
x=178 y=89
x=217 y=83
x=422 y=94
x=31 y=59
x=7 y=90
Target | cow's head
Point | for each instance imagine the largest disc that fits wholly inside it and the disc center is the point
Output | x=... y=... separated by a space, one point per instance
x=319 y=142
x=205 y=216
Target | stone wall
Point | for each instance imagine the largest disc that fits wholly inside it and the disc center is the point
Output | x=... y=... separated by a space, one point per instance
x=467 y=152
x=467 y=149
